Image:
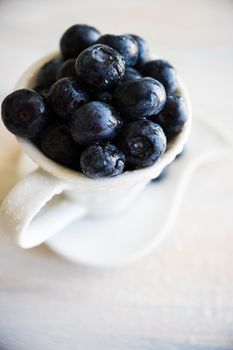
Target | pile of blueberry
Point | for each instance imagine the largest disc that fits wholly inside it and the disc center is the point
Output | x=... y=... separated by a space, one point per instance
x=101 y=107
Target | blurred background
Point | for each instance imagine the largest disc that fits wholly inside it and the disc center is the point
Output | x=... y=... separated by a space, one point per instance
x=181 y=296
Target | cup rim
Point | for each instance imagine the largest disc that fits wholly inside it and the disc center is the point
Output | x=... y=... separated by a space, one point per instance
x=175 y=147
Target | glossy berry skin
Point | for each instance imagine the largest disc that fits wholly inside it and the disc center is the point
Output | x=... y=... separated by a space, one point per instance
x=47 y=73
x=139 y=98
x=173 y=116
x=76 y=39
x=24 y=113
x=143 y=143
x=102 y=160
x=124 y=44
x=66 y=96
x=131 y=74
x=58 y=145
x=95 y=121
x=143 y=50
x=100 y=67
x=67 y=69
x=163 y=72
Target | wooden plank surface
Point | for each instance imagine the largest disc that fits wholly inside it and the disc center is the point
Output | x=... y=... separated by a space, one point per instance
x=179 y=297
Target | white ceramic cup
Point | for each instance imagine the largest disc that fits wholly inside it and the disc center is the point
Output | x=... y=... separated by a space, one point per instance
x=52 y=196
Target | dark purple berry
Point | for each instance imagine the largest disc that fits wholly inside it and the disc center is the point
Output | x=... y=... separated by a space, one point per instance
x=24 y=113
x=47 y=73
x=100 y=67
x=163 y=72
x=42 y=91
x=139 y=98
x=67 y=69
x=76 y=39
x=58 y=145
x=143 y=143
x=131 y=74
x=102 y=160
x=173 y=116
x=66 y=96
x=124 y=44
x=143 y=50
x=95 y=121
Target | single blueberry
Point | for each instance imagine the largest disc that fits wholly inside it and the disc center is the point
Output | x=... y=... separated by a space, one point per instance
x=102 y=160
x=47 y=73
x=42 y=91
x=162 y=71
x=143 y=50
x=173 y=116
x=143 y=143
x=76 y=39
x=67 y=69
x=66 y=96
x=24 y=113
x=95 y=121
x=124 y=44
x=139 y=98
x=100 y=67
x=131 y=74
x=58 y=145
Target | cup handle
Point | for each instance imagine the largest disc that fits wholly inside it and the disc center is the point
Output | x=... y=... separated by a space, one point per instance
x=23 y=214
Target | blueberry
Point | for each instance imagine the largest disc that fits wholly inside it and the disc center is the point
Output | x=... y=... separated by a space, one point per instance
x=67 y=69
x=24 y=113
x=139 y=98
x=76 y=39
x=42 y=91
x=173 y=116
x=66 y=96
x=124 y=44
x=143 y=50
x=47 y=73
x=95 y=121
x=103 y=97
x=57 y=144
x=162 y=71
x=100 y=67
x=102 y=160
x=143 y=143
x=131 y=74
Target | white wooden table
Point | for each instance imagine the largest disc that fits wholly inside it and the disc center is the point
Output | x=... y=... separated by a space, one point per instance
x=179 y=297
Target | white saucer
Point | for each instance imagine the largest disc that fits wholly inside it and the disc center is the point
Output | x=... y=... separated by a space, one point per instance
x=124 y=239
